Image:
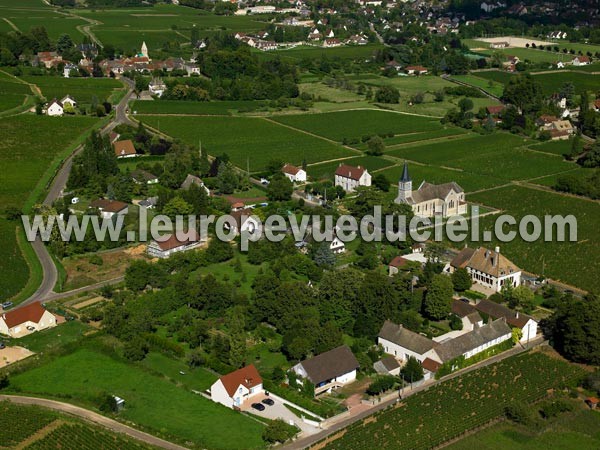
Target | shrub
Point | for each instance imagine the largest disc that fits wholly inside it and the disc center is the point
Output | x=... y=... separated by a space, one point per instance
x=381 y=384
x=278 y=431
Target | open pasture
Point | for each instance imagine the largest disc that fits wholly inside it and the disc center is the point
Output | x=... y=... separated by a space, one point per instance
x=349 y=53
x=358 y=123
x=551 y=82
x=81 y=89
x=457 y=405
x=249 y=141
x=493 y=87
x=557 y=260
x=153 y=401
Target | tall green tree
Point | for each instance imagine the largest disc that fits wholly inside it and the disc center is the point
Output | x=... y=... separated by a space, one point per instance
x=439 y=297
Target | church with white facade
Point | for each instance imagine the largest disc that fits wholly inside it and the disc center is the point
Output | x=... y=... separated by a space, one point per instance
x=430 y=200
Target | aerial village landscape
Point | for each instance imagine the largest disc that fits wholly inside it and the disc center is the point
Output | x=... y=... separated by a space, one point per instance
x=128 y=113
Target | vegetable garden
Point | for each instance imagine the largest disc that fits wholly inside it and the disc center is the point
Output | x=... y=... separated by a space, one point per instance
x=448 y=410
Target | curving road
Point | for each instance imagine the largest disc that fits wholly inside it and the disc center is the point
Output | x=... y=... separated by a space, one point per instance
x=50 y=274
x=94 y=417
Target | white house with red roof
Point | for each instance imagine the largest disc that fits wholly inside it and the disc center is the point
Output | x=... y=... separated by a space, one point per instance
x=26 y=320
x=349 y=177
x=173 y=244
x=294 y=174
x=580 y=61
x=237 y=388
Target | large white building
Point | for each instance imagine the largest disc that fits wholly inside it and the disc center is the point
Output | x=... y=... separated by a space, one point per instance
x=238 y=387
x=172 y=244
x=430 y=200
x=349 y=177
x=515 y=319
x=487 y=268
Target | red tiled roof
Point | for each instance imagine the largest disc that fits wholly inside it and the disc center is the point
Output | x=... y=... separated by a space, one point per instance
x=494 y=109
x=124 y=148
x=292 y=170
x=582 y=58
x=398 y=261
x=30 y=313
x=108 y=205
x=417 y=68
x=173 y=242
x=597 y=103
x=346 y=171
x=246 y=376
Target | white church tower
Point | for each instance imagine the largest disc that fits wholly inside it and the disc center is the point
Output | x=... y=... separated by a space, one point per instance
x=144 y=51
x=404 y=186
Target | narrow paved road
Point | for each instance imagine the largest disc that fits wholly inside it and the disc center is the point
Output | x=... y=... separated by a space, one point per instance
x=94 y=417
x=50 y=274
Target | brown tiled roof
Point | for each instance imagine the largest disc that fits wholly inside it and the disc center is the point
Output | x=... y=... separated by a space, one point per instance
x=331 y=364
x=346 y=171
x=108 y=205
x=406 y=338
x=430 y=365
x=462 y=309
x=398 y=261
x=390 y=363
x=417 y=68
x=30 y=313
x=246 y=376
x=498 y=311
x=173 y=242
x=486 y=261
x=124 y=148
x=292 y=170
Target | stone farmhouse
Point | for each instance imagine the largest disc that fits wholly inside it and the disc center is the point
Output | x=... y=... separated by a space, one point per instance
x=238 y=387
x=26 y=320
x=487 y=268
x=349 y=177
x=429 y=200
x=329 y=370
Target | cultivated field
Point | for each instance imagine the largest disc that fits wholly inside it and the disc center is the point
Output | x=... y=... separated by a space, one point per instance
x=81 y=89
x=551 y=82
x=225 y=108
x=356 y=124
x=13 y=93
x=248 y=140
x=326 y=170
x=441 y=413
x=153 y=400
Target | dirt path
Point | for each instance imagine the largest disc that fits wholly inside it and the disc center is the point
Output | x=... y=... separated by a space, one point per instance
x=40 y=434
x=12 y=25
x=93 y=417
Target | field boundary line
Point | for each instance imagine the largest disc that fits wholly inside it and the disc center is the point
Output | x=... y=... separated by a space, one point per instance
x=323 y=138
x=404 y=113
x=40 y=434
x=411 y=144
x=12 y=25
x=93 y=417
x=548 y=189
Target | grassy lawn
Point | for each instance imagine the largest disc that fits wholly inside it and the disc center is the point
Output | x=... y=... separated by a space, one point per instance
x=490 y=86
x=559 y=260
x=198 y=379
x=577 y=430
x=352 y=52
x=251 y=140
x=551 y=82
x=53 y=338
x=356 y=124
x=152 y=401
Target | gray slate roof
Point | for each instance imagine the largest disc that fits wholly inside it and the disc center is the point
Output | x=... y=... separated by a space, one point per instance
x=428 y=191
x=406 y=338
x=462 y=344
x=331 y=364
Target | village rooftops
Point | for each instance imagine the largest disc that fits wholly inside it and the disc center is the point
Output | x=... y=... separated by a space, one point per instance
x=329 y=365
x=430 y=365
x=398 y=261
x=494 y=109
x=124 y=148
x=30 y=313
x=292 y=170
x=463 y=309
x=464 y=343
x=246 y=376
x=109 y=206
x=403 y=337
x=346 y=171
x=486 y=261
x=497 y=311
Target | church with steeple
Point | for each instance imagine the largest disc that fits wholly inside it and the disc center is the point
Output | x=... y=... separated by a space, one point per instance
x=430 y=200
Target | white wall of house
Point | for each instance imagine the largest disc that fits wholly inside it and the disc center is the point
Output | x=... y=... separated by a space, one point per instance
x=109 y=215
x=529 y=330
x=154 y=249
x=300 y=177
x=55 y=110
x=402 y=353
x=349 y=184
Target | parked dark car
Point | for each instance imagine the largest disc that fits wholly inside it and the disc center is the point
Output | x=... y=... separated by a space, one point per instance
x=2 y=345
x=258 y=406
x=268 y=401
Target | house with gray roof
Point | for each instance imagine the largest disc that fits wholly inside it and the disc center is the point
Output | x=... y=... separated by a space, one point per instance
x=429 y=199
x=402 y=343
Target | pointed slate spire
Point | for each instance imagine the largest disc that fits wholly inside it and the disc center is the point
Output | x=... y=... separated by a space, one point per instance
x=405 y=176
